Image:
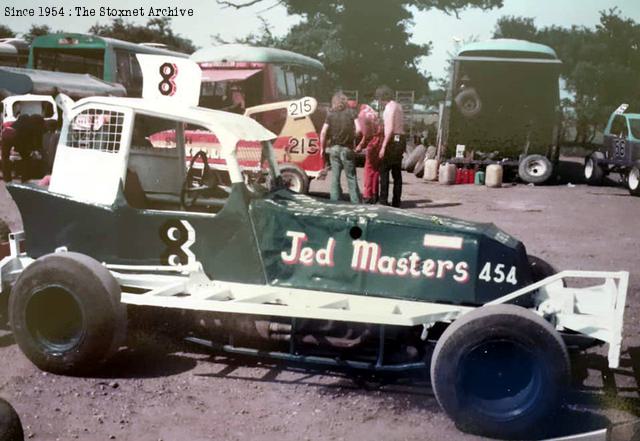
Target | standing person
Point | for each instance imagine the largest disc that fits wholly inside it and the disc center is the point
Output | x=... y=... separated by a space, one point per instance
x=393 y=146
x=339 y=132
x=372 y=136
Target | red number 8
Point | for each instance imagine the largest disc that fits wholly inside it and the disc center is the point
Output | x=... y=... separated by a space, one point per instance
x=168 y=71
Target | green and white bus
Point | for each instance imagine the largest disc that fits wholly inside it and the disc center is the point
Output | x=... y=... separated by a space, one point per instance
x=105 y=58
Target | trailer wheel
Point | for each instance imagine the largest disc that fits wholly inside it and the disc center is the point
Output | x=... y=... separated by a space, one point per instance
x=500 y=370
x=535 y=169
x=469 y=102
x=66 y=314
x=593 y=173
x=10 y=425
x=633 y=181
x=295 y=179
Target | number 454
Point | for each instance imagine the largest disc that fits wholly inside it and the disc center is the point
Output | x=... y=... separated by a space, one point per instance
x=498 y=273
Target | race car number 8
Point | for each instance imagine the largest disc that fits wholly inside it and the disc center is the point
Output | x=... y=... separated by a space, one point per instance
x=497 y=274
x=168 y=72
x=178 y=236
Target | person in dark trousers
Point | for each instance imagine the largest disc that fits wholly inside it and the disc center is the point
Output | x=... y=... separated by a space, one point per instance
x=393 y=146
x=339 y=132
x=25 y=139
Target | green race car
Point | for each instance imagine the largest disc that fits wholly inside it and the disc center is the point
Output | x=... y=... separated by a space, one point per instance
x=264 y=271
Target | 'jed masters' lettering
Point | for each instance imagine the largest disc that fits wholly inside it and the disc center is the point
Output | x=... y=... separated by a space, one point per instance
x=367 y=257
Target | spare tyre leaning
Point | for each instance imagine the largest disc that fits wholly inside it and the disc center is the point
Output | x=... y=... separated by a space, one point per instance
x=66 y=314
x=412 y=159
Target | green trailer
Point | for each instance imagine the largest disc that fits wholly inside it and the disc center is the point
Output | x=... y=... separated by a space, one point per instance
x=503 y=105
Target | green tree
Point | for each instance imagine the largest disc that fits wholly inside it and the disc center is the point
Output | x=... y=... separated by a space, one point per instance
x=363 y=46
x=36 y=31
x=522 y=28
x=156 y=30
x=600 y=65
x=5 y=31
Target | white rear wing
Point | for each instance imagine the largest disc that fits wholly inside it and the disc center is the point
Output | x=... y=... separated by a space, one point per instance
x=596 y=311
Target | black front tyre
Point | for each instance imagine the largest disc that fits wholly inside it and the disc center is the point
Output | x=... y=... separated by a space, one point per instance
x=66 y=314
x=633 y=181
x=500 y=371
x=535 y=169
x=10 y=425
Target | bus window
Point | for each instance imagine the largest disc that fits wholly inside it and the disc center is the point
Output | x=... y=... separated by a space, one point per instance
x=281 y=82
x=124 y=68
x=129 y=73
x=302 y=79
x=214 y=95
x=136 y=76
x=292 y=90
x=71 y=61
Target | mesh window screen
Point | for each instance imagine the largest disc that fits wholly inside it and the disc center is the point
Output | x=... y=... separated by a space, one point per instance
x=96 y=129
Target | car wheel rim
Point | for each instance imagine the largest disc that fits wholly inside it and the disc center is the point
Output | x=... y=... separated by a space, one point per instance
x=292 y=182
x=588 y=169
x=536 y=168
x=634 y=179
x=54 y=319
x=500 y=379
x=469 y=105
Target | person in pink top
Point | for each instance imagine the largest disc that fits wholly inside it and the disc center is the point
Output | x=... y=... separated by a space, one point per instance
x=393 y=146
x=372 y=135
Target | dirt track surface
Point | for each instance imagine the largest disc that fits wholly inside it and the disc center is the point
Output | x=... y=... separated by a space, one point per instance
x=163 y=389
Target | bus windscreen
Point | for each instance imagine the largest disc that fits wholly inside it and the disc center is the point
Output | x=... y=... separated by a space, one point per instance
x=81 y=61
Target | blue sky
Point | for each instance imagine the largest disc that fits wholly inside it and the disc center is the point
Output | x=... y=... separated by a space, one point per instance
x=441 y=29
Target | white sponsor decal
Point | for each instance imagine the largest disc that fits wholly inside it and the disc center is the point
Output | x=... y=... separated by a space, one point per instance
x=439 y=241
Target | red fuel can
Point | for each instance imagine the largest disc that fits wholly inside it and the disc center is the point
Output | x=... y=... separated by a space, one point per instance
x=471 y=176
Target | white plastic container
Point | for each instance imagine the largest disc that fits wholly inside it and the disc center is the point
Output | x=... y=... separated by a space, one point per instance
x=447 y=174
x=493 y=176
x=431 y=169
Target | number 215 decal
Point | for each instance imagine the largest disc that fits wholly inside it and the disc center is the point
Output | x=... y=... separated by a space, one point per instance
x=497 y=273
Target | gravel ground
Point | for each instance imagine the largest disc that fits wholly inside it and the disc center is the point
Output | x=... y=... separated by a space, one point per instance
x=163 y=389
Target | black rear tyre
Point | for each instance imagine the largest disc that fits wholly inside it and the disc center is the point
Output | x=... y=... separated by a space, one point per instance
x=540 y=268
x=66 y=314
x=593 y=172
x=633 y=181
x=500 y=371
x=10 y=425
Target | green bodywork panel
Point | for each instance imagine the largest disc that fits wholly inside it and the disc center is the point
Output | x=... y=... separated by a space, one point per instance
x=291 y=240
